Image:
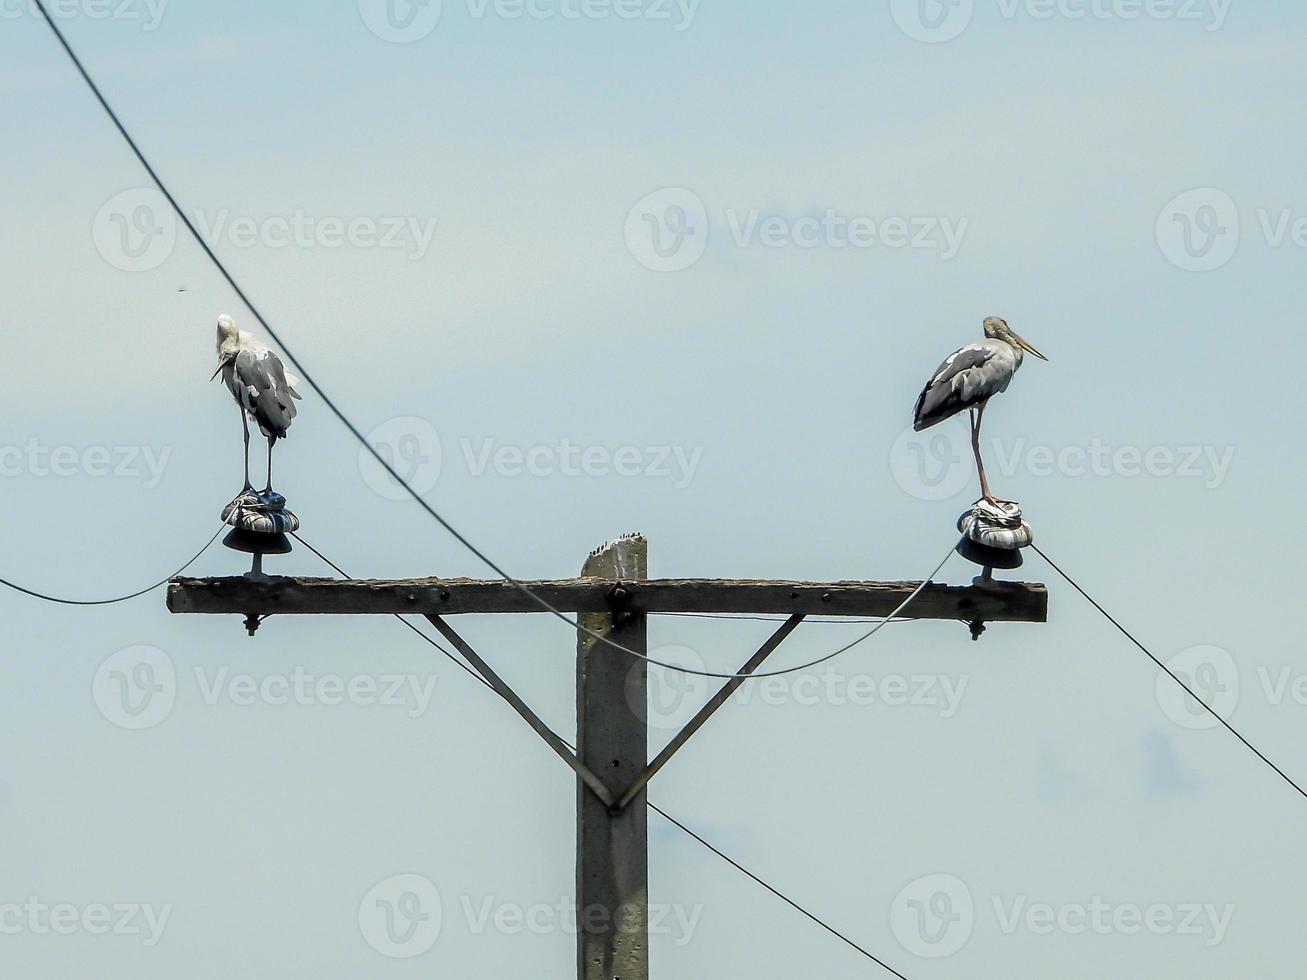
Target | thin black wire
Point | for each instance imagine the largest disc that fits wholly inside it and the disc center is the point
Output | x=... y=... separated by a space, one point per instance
x=652 y=806
x=304 y=372
x=794 y=905
x=813 y=620
x=307 y=377
x=435 y=643
x=759 y=675
x=108 y=602
x=820 y=660
x=1169 y=672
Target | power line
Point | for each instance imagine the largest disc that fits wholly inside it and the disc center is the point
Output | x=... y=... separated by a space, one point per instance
x=813 y=663
x=123 y=598
x=885 y=621
x=304 y=372
x=811 y=620
x=1169 y=672
x=652 y=806
x=331 y=405
x=790 y=902
x=455 y=660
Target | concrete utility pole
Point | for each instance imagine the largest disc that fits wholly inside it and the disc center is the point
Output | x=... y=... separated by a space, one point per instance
x=612 y=598
x=612 y=844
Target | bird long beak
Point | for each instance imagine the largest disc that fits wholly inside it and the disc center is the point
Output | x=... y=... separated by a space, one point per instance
x=1027 y=345
x=223 y=363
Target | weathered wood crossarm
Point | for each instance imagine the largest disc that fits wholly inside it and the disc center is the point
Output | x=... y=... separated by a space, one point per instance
x=999 y=602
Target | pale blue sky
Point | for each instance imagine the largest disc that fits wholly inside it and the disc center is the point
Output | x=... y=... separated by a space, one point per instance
x=787 y=374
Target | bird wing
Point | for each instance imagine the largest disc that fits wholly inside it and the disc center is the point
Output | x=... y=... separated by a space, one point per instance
x=258 y=380
x=959 y=383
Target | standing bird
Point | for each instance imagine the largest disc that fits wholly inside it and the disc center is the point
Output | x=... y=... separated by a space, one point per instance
x=969 y=379
x=258 y=381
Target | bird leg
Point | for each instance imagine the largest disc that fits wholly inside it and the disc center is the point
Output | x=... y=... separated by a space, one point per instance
x=975 y=415
x=268 y=488
x=245 y=425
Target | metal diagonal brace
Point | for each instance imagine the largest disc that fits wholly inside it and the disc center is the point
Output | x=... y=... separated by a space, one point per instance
x=707 y=711
x=503 y=690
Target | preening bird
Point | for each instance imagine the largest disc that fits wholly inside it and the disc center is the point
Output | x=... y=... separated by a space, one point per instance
x=968 y=379
x=258 y=381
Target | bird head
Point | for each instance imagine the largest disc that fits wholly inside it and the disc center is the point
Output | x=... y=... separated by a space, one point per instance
x=228 y=342
x=996 y=328
x=226 y=329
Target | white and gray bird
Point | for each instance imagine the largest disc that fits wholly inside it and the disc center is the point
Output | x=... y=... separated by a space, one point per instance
x=258 y=381
x=968 y=379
